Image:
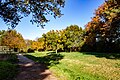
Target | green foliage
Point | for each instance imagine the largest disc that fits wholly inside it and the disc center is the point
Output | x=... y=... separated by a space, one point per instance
x=69 y=39
x=12 y=11
x=74 y=36
x=7 y=70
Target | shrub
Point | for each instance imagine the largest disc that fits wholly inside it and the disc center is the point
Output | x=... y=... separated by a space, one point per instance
x=30 y=50
x=41 y=50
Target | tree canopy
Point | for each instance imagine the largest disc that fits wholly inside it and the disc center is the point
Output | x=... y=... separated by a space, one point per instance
x=12 y=11
x=12 y=39
x=69 y=39
x=103 y=31
x=101 y=34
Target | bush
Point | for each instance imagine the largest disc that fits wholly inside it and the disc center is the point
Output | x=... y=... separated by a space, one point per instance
x=41 y=50
x=7 y=70
x=30 y=50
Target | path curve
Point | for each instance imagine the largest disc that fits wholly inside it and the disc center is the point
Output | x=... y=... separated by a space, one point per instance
x=29 y=70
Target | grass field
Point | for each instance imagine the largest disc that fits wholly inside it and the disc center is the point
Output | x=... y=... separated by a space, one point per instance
x=79 y=66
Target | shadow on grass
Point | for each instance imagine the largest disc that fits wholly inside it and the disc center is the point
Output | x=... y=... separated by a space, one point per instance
x=8 y=67
x=49 y=60
x=12 y=58
x=106 y=55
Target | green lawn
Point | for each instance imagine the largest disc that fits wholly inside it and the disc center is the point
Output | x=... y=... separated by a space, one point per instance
x=79 y=66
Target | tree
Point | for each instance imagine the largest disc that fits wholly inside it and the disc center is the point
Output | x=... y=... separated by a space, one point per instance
x=58 y=41
x=45 y=41
x=74 y=36
x=41 y=44
x=93 y=33
x=103 y=31
x=53 y=41
x=69 y=39
x=13 y=40
x=37 y=45
x=2 y=32
x=12 y=11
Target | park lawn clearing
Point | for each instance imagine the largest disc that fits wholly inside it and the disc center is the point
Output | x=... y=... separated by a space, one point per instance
x=80 y=66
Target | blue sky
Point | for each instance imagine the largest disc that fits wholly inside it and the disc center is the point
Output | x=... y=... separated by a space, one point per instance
x=78 y=12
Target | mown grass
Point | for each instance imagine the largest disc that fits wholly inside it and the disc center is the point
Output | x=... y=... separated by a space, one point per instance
x=81 y=66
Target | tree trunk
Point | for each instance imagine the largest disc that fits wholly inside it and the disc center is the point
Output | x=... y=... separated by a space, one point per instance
x=70 y=49
x=56 y=51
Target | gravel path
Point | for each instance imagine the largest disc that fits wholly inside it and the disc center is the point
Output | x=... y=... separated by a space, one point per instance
x=29 y=70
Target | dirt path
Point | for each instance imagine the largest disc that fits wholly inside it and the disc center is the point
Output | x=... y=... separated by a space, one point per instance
x=29 y=70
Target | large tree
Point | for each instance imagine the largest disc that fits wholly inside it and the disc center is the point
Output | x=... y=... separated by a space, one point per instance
x=2 y=32
x=74 y=36
x=53 y=40
x=41 y=44
x=12 y=11
x=69 y=39
x=103 y=31
x=13 y=40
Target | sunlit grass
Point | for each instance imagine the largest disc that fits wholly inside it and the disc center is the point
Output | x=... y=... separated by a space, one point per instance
x=79 y=66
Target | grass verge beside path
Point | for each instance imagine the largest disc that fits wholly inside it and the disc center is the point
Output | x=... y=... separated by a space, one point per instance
x=80 y=66
x=8 y=68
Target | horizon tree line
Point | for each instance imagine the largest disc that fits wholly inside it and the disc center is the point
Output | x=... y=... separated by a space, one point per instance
x=101 y=34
